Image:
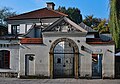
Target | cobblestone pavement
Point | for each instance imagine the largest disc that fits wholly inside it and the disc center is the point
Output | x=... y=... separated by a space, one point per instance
x=58 y=81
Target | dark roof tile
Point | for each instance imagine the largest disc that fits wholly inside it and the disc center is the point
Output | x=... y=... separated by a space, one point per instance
x=87 y=28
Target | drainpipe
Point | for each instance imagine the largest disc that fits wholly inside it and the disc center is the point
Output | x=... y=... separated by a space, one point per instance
x=19 y=62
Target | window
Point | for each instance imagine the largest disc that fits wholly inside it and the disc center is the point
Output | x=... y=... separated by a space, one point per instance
x=58 y=60
x=4 y=59
x=82 y=48
x=15 y=29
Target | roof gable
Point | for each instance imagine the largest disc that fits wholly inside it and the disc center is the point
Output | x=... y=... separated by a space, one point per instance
x=64 y=25
x=38 y=14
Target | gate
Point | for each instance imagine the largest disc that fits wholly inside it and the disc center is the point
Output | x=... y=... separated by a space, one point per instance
x=64 y=55
x=63 y=60
x=96 y=65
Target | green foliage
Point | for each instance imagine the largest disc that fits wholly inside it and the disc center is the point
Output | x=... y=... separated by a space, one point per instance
x=102 y=27
x=91 y=21
x=114 y=22
x=4 y=13
x=97 y=24
x=73 y=13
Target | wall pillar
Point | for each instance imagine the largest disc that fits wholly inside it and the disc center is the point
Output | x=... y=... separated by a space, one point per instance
x=51 y=65
x=76 y=66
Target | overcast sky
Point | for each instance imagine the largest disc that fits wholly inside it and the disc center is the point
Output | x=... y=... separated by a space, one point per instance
x=98 y=8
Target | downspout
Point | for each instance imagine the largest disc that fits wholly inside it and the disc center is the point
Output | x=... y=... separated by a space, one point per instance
x=19 y=61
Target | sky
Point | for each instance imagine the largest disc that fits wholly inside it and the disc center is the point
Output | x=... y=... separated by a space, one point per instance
x=98 y=8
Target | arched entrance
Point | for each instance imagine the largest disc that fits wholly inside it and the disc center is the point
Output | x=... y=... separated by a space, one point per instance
x=64 y=55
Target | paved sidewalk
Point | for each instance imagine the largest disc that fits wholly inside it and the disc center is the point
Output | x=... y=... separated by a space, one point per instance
x=58 y=81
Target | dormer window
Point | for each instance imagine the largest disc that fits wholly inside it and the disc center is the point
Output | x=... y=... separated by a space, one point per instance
x=15 y=29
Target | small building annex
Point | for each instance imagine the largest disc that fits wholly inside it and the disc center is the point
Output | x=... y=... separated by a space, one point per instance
x=46 y=43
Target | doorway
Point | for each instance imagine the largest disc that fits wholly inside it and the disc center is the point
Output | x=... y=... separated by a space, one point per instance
x=63 y=60
x=96 y=65
x=64 y=56
x=29 y=64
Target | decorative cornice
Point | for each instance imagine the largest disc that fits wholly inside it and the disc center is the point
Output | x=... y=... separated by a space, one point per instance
x=66 y=34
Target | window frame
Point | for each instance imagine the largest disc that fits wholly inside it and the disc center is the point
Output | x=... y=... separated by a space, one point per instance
x=15 y=29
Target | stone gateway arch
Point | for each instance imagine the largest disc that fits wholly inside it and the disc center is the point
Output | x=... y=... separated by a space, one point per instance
x=75 y=53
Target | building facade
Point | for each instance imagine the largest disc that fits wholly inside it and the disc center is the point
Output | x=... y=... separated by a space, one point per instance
x=45 y=43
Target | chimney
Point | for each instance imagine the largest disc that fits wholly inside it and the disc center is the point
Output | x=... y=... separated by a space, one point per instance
x=50 y=5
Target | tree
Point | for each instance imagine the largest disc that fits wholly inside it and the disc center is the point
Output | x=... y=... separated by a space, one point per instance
x=73 y=13
x=91 y=21
x=4 y=13
x=114 y=22
x=101 y=25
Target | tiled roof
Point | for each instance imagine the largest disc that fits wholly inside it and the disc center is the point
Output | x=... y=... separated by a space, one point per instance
x=87 y=28
x=38 y=14
x=31 y=41
x=108 y=43
x=98 y=41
